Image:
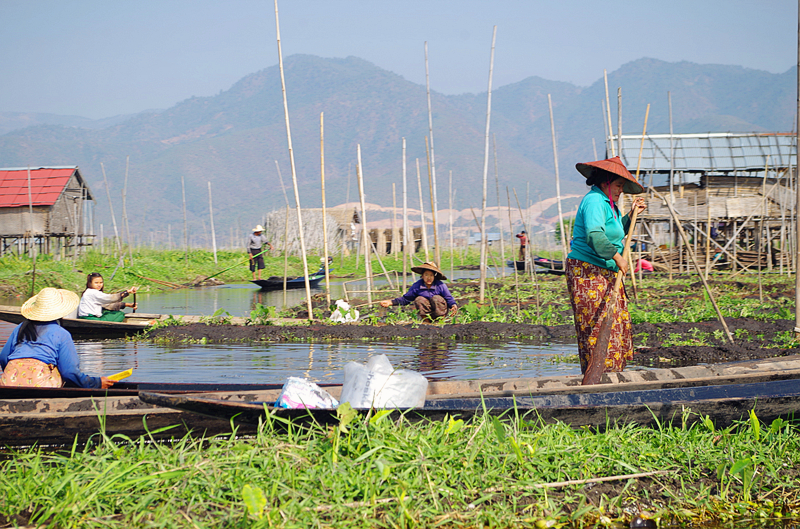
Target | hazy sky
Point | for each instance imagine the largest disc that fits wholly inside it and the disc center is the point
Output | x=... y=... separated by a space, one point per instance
x=102 y=58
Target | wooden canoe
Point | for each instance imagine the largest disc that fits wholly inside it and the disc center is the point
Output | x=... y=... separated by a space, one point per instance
x=276 y=283
x=58 y=416
x=723 y=404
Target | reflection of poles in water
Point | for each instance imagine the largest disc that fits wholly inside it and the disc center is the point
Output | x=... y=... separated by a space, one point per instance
x=434 y=358
x=310 y=361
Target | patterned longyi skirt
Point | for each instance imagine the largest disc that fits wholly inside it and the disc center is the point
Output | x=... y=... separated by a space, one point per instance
x=589 y=288
x=30 y=373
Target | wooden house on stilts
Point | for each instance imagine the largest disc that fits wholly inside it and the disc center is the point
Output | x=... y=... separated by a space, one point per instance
x=45 y=207
x=733 y=192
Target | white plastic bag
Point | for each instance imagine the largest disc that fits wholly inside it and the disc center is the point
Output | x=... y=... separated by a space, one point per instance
x=377 y=385
x=343 y=313
x=302 y=393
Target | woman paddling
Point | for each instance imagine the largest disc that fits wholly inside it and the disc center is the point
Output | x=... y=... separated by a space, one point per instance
x=97 y=305
x=430 y=295
x=597 y=245
x=40 y=353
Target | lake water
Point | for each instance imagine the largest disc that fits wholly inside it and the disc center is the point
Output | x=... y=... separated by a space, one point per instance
x=321 y=362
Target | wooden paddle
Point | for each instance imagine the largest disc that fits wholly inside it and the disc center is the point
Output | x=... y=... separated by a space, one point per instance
x=597 y=360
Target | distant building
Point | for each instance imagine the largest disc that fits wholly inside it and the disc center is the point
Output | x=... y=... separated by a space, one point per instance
x=45 y=206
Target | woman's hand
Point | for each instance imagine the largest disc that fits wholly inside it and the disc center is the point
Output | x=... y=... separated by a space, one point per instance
x=133 y=306
x=622 y=264
x=106 y=382
x=639 y=205
x=386 y=303
x=453 y=310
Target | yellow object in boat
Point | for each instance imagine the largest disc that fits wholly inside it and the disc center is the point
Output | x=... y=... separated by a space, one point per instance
x=116 y=377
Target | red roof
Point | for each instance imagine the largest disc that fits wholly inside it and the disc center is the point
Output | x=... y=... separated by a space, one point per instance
x=47 y=184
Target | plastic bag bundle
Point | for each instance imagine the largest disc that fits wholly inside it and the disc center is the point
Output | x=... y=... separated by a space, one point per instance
x=378 y=385
x=343 y=313
x=302 y=393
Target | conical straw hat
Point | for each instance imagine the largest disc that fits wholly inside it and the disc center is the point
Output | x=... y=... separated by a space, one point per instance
x=50 y=304
x=611 y=168
x=430 y=265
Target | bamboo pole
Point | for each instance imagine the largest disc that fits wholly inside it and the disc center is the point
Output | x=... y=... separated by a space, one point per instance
x=213 y=232
x=422 y=215
x=563 y=230
x=432 y=166
x=760 y=239
x=483 y=265
x=436 y=250
x=111 y=207
x=285 y=254
x=394 y=222
x=608 y=107
x=324 y=210
x=185 y=225
x=33 y=237
x=294 y=169
x=499 y=216
x=708 y=230
x=364 y=231
x=619 y=122
x=450 y=195
x=125 y=225
x=280 y=178
x=406 y=247
x=516 y=279
x=528 y=259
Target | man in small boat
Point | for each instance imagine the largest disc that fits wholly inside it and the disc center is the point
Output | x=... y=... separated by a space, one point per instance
x=255 y=241
x=523 y=242
x=430 y=295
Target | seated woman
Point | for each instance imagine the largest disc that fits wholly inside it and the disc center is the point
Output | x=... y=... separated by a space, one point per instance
x=97 y=305
x=40 y=353
x=430 y=296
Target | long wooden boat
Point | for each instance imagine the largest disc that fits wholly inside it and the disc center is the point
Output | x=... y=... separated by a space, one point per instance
x=276 y=282
x=59 y=416
x=722 y=404
x=550 y=266
x=94 y=329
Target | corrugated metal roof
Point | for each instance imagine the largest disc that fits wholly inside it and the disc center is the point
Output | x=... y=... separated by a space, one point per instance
x=710 y=152
x=47 y=184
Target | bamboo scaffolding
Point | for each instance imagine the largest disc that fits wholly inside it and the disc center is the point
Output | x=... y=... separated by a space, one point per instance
x=294 y=169
x=432 y=165
x=483 y=264
x=324 y=210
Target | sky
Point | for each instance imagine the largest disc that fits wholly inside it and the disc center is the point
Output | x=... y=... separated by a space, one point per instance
x=100 y=59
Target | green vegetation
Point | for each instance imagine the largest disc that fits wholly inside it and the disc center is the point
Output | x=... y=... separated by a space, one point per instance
x=380 y=472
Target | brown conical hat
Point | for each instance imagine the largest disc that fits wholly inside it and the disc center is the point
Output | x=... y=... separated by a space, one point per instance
x=50 y=304
x=430 y=265
x=611 y=168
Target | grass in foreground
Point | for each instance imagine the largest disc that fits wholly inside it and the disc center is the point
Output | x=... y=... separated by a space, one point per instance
x=384 y=473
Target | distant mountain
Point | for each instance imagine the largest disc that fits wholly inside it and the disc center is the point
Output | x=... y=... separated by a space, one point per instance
x=10 y=121
x=233 y=139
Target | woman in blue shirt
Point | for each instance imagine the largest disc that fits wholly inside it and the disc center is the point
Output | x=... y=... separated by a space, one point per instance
x=597 y=245
x=39 y=352
x=429 y=295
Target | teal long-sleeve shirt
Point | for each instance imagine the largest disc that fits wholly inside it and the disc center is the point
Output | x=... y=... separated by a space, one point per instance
x=599 y=231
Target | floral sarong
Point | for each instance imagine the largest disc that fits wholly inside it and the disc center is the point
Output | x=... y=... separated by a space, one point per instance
x=589 y=288
x=30 y=373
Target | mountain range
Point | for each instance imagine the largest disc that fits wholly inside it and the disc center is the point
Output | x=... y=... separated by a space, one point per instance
x=233 y=139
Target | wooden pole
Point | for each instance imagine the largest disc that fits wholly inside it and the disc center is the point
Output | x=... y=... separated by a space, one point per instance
x=185 y=225
x=285 y=254
x=619 y=122
x=125 y=225
x=561 y=225
x=324 y=211
x=516 y=279
x=422 y=215
x=213 y=232
x=111 y=207
x=760 y=239
x=608 y=107
x=482 y=289
x=33 y=237
x=364 y=231
x=528 y=259
x=708 y=230
x=406 y=240
x=432 y=166
x=294 y=170
x=499 y=216
x=450 y=195
x=436 y=250
x=394 y=223
x=280 y=178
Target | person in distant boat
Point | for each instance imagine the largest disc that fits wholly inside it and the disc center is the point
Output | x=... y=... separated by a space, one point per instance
x=596 y=255
x=523 y=242
x=255 y=241
x=40 y=353
x=97 y=305
x=429 y=295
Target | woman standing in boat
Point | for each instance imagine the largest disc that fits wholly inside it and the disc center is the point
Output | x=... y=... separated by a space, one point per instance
x=97 y=305
x=429 y=295
x=40 y=353
x=596 y=256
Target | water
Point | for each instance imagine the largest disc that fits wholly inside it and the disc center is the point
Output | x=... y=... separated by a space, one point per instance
x=321 y=362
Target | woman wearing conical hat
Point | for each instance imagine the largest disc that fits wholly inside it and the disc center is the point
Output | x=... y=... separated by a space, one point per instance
x=429 y=295
x=39 y=352
x=598 y=240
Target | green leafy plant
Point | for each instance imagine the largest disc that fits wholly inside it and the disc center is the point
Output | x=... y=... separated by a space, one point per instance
x=261 y=315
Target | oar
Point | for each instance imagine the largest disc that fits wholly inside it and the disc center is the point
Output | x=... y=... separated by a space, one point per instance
x=233 y=266
x=134 y=302
x=597 y=360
